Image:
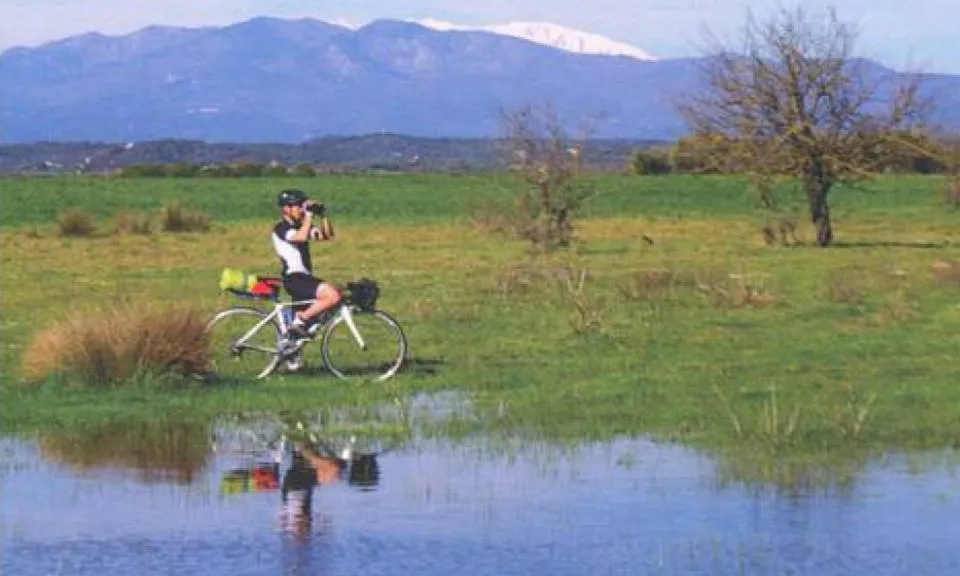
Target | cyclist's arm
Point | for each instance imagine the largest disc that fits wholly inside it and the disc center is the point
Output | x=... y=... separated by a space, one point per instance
x=324 y=232
x=303 y=232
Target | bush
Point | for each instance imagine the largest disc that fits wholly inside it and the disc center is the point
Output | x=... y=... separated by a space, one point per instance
x=275 y=171
x=75 y=222
x=303 y=170
x=651 y=162
x=173 y=218
x=247 y=170
x=133 y=223
x=182 y=170
x=109 y=348
x=548 y=163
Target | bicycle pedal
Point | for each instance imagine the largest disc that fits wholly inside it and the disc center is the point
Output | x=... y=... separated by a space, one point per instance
x=290 y=348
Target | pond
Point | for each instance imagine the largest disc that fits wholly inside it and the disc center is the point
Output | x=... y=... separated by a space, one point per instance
x=442 y=507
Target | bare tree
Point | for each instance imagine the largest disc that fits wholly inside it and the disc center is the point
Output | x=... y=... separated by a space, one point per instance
x=951 y=189
x=548 y=162
x=794 y=100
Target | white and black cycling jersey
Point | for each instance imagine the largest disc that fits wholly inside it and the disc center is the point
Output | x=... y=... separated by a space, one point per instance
x=295 y=256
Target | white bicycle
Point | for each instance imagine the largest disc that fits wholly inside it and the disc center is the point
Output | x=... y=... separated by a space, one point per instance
x=356 y=339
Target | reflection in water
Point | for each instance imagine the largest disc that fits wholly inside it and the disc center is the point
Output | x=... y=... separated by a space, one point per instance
x=296 y=492
x=309 y=469
x=630 y=507
x=767 y=469
x=295 y=473
x=155 y=450
x=364 y=472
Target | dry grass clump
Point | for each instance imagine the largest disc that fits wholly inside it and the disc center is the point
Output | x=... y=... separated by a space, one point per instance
x=657 y=284
x=738 y=291
x=722 y=289
x=133 y=223
x=896 y=308
x=844 y=287
x=174 y=218
x=75 y=222
x=519 y=278
x=947 y=271
x=492 y=217
x=109 y=348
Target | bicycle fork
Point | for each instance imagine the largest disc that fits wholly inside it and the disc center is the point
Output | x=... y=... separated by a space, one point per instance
x=347 y=315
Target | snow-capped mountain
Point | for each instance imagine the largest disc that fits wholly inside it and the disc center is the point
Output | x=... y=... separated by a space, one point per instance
x=275 y=80
x=554 y=35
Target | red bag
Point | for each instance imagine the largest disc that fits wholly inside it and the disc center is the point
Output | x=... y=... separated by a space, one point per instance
x=267 y=288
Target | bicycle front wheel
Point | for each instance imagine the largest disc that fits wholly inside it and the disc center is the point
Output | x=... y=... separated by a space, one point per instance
x=243 y=343
x=376 y=351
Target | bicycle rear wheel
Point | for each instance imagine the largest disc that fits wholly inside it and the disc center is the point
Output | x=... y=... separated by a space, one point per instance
x=239 y=351
x=381 y=355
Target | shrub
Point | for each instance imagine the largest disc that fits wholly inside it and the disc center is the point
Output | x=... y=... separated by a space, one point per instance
x=182 y=170
x=651 y=162
x=112 y=347
x=247 y=170
x=548 y=163
x=75 y=222
x=143 y=171
x=133 y=223
x=303 y=170
x=276 y=171
x=173 y=218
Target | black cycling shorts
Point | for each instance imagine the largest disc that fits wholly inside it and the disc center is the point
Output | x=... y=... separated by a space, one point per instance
x=301 y=286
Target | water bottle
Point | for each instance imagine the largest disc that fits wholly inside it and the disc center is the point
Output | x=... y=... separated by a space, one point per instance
x=288 y=316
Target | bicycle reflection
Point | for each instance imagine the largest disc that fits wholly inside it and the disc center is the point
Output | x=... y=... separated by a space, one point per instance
x=297 y=477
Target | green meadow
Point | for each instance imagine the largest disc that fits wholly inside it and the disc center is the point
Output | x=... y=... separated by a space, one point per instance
x=670 y=317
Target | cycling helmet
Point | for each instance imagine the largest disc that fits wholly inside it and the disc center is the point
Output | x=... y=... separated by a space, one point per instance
x=291 y=197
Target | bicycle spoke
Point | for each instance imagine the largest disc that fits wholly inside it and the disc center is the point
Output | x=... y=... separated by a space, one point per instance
x=383 y=350
x=239 y=352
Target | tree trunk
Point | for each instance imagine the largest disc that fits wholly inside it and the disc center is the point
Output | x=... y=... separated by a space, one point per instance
x=820 y=215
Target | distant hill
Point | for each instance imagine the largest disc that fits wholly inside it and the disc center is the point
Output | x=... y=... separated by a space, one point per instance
x=370 y=152
x=270 y=80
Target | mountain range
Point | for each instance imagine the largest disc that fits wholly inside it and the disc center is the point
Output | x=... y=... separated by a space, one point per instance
x=291 y=81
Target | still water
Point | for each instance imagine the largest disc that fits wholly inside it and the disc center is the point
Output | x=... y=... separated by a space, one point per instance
x=630 y=507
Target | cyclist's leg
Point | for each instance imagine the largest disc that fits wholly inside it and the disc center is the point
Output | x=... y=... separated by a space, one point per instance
x=301 y=288
x=325 y=297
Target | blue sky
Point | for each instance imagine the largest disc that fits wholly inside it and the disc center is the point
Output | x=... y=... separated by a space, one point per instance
x=904 y=34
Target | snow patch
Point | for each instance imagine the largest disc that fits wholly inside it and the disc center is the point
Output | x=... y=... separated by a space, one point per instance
x=554 y=35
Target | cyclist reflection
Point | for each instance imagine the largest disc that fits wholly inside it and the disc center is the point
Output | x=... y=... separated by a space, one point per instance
x=304 y=471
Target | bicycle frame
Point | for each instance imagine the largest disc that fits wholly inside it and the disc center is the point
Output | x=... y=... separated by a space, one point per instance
x=343 y=311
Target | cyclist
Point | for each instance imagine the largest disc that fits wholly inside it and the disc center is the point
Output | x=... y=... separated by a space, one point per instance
x=291 y=241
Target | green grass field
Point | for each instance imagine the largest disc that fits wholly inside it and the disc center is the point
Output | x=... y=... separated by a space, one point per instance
x=708 y=336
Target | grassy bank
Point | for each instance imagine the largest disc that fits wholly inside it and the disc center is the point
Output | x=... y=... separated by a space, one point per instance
x=707 y=335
